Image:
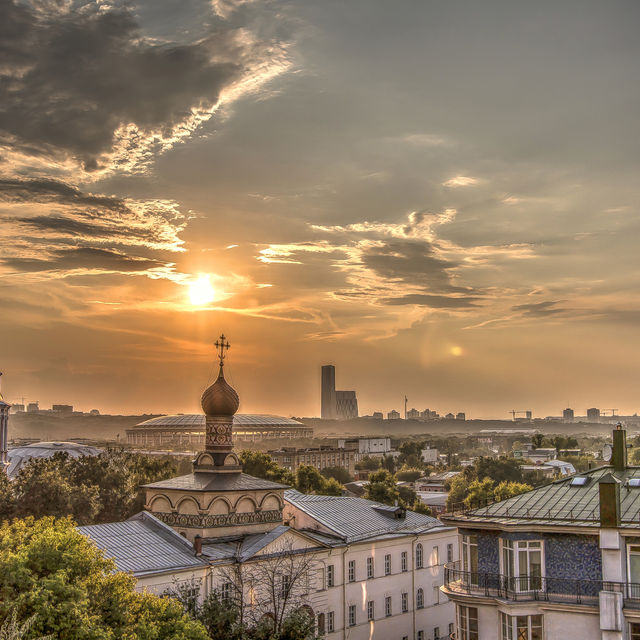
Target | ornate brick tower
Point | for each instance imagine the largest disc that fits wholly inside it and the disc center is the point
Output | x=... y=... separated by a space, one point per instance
x=217 y=499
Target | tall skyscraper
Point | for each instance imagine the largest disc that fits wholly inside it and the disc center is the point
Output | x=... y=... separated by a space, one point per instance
x=328 y=394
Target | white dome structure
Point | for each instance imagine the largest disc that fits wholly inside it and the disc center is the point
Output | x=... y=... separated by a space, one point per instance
x=19 y=456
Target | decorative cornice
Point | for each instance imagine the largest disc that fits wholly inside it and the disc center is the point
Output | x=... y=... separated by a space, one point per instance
x=197 y=521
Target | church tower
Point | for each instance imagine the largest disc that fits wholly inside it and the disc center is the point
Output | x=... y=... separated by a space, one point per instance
x=217 y=499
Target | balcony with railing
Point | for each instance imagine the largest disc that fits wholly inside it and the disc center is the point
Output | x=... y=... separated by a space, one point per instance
x=531 y=588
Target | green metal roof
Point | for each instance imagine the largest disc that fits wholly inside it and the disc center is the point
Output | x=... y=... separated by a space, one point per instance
x=560 y=503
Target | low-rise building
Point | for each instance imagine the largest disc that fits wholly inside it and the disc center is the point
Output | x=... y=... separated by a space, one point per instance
x=319 y=457
x=393 y=415
x=429 y=455
x=562 y=560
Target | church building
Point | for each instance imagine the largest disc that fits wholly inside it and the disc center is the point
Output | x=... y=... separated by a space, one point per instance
x=360 y=568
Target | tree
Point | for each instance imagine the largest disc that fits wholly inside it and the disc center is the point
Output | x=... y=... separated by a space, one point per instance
x=408 y=474
x=368 y=464
x=537 y=440
x=50 y=572
x=332 y=488
x=389 y=463
x=498 y=469
x=382 y=488
x=261 y=465
x=458 y=490
x=309 y=479
x=12 y=630
x=480 y=492
x=509 y=489
x=7 y=497
x=339 y=473
x=103 y=488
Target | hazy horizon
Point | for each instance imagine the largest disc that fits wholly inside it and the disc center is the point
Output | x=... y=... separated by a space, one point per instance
x=438 y=198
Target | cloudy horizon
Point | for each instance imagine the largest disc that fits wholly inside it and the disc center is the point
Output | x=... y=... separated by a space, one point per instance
x=438 y=198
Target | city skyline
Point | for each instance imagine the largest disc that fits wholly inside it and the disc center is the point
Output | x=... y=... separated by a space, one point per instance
x=441 y=200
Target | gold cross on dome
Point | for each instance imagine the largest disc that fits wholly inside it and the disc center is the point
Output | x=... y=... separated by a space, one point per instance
x=222 y=344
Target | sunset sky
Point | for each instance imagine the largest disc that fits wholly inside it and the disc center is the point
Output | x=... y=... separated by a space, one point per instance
x=440 y=198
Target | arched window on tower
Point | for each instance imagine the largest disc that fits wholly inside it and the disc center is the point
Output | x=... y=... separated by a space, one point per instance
x=420 y=598
x=419 y=556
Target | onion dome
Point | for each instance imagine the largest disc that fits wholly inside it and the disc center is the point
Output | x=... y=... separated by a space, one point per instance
x=220 y=399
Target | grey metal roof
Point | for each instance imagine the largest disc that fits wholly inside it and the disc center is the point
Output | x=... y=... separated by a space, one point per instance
x=143 y=544
x=216 y=482
x=197 y=421
x=356 y=518
x=560 y=503
x=19 y=456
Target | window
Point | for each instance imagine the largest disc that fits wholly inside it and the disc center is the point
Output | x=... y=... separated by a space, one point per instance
x=387 y=606
x=451 y=628
x=521 y=627
x=352 y=570
x=405 y=602
x=470 y=558
x=371 y=610
x=435 y=556
x=449 y=553
x=420 y=598
x=330 y=576
x=421 y=635
x=436 y=593
x=419 y=556
x=522 y=564
x=403 y=560
x=387 y=564
x=331 y=618
x=352 y=615
x=633 y=569
x=436 y=633
x=467 y=623
x=285 y=584
x=369 y=567
x=320 y=627
x=321 y=579
x=225 y=591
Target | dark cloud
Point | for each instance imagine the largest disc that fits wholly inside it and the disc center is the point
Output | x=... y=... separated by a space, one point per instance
x=411 y=262
x=49 y=190
x=86 y=258
x=539 y=309
x=72 y=77
x=433 y=301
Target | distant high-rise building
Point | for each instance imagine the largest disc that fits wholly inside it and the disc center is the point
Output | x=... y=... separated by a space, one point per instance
x=460 y=416
x=342 y=405
x=568 y=414
x=528 y=415
x=33 y=407
x=593 y=414
x=17 y=408
x=62 y=408
x=346 y=405
x=449 y=416
x=393 y=415
x=413 y=414
x=328 y=397
x=378 y=415
x=425 y=414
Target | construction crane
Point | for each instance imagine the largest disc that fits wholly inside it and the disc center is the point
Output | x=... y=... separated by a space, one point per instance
x=613 y=411
x=527 y=413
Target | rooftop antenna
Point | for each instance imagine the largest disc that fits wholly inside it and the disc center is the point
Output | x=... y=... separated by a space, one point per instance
x=405 y=407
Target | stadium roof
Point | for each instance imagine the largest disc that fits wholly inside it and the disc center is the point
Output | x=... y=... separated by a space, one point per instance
x=197 y=420
x=19 y=456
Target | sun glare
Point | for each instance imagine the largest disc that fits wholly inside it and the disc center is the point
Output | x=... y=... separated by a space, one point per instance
x=201 y=292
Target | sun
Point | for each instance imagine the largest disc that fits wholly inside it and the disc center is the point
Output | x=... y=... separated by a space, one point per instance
x=201 y=292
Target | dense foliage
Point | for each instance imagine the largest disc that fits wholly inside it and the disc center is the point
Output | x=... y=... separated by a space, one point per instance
x=91 y=489
x=55 y=577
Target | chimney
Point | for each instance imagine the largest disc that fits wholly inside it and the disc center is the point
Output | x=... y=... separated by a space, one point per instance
x=609 y=489
x=619 y=453
x=197 y=543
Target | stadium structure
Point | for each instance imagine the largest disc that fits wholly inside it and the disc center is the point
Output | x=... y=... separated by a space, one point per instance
x=189 y=429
